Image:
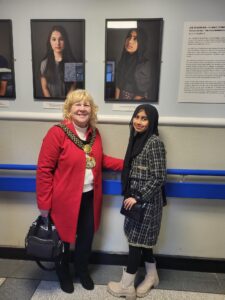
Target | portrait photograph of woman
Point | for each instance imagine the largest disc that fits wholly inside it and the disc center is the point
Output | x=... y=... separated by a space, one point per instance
x=57 y=57
x=133 y=60
x=7 y=78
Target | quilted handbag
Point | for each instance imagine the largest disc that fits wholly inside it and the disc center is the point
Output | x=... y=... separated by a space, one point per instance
x=42 y=241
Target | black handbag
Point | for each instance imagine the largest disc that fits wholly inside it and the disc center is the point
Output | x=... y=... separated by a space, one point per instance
x=42 y=242
x=137 y=211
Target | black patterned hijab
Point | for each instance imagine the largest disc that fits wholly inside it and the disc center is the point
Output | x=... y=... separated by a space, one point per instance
x=137 y=141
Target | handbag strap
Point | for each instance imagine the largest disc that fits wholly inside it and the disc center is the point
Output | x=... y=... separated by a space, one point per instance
x=43 y=222
x=43 y=267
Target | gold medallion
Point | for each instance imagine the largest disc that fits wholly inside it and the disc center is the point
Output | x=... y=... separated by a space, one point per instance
x=87 y=148
x=90 y=162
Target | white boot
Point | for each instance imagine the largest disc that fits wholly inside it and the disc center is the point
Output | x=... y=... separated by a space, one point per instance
x=124 y=288
x=151 y=280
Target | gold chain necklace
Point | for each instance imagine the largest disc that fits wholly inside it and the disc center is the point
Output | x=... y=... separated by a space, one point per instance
x=90 y=161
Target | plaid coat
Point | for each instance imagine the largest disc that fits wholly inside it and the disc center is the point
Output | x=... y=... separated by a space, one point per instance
x=147 y=175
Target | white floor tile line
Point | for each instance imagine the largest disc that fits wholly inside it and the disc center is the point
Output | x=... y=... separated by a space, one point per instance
x=1 y=281
x=50 y=290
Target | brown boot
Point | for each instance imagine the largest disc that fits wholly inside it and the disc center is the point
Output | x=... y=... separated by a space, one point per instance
x=151 y=280
x=124 y=288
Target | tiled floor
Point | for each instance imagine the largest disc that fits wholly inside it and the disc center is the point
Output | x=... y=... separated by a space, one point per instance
x=24 y=280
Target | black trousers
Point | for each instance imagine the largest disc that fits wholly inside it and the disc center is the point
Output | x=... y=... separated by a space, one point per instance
x=85 y=233
x=134 y=258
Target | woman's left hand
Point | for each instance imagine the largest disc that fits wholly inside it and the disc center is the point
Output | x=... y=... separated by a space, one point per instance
x=129 y=202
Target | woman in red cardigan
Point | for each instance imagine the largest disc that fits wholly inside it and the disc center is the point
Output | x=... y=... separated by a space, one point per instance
x=69 y=183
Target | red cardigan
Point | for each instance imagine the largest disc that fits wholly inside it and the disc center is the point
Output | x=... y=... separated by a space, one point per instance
x=60 y=178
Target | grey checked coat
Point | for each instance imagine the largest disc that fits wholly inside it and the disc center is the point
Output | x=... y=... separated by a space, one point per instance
x=147 y=175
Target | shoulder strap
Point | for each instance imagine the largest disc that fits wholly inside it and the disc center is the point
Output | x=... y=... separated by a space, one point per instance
x=43 y=267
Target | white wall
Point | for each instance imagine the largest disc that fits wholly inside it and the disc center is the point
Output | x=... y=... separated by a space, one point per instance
x=174 y=13
x=191 y=227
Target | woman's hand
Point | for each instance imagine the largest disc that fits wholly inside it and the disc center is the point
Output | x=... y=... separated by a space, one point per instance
x=129 y=202
x=44 y=213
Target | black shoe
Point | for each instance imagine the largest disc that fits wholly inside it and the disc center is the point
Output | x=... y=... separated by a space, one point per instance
x=65 y=279
x=86 y=280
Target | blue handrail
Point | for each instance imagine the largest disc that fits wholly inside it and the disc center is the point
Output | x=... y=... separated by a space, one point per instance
x=196 y=172
x=176 y=189
x=169 y=171
x=17 y=167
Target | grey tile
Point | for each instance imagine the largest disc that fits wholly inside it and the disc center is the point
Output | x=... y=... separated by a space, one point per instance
x=18 y=289
x=180 y=274
x=169 y=274
x=30 y=270
x=189 y=281
x=190 y=274
x=170 y=285
x=169 y=279
x=19 y=274
x=102 y=274
x=222 y=285
x=202 y=285
x=157 y=294
x=52 y=291
x=9 y=267
x=220 y=275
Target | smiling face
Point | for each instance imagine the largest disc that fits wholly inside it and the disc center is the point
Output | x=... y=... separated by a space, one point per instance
x=140 y=122
x=131 y=44
x=80 y=113
x=57 y=42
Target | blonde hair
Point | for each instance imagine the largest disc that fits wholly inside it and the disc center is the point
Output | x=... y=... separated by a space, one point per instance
x=77 y=96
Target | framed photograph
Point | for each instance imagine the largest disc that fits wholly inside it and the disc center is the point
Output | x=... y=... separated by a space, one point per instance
x=7 y=76
x=58 y=57
x=133 y=60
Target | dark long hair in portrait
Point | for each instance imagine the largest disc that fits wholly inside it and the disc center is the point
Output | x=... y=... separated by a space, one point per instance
x=67 y=54
x=56 y=73
x=135 y=73
x=130 y=67
x=50 y=71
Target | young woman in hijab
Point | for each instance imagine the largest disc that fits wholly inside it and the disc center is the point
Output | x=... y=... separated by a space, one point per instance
x=144 y=174
x=52 y=66
x=133 y=73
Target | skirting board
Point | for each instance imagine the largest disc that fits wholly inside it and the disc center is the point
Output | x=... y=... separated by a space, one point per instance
x=186 y=263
